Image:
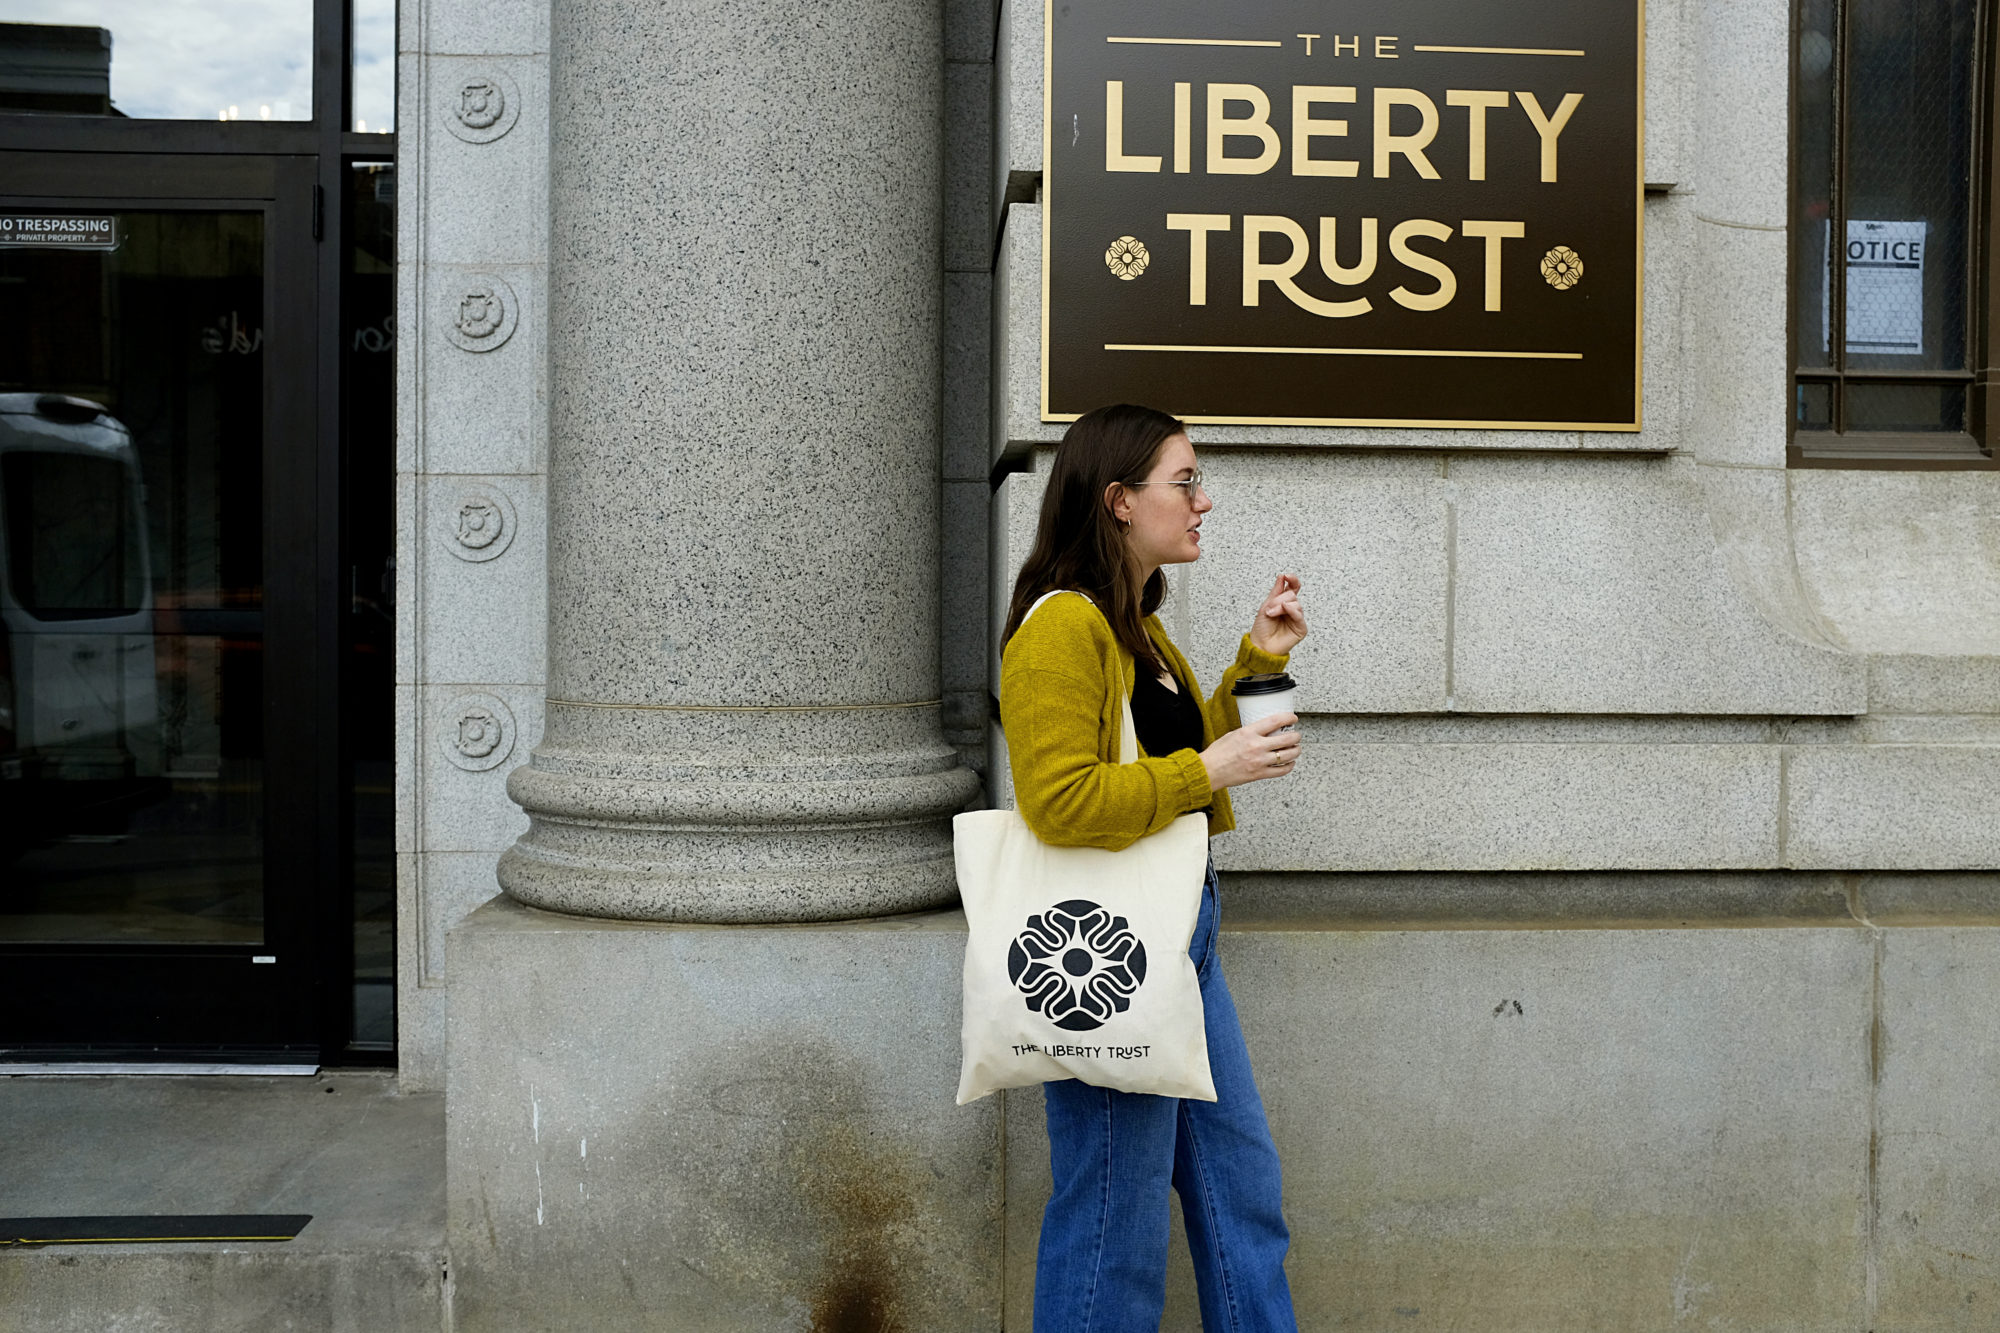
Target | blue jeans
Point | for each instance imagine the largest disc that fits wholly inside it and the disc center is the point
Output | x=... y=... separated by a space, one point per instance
x=1102 y=1265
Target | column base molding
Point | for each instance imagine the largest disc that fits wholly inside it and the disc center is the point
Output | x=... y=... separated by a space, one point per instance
x=737 y=816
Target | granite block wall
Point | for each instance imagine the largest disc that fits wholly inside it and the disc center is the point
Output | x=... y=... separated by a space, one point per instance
x=1561 y=686
x=472 y=244
x=1559 y=1120
x=1537 y=1131
x=1688 y=754
x=1681 y=574
x=716 y=1128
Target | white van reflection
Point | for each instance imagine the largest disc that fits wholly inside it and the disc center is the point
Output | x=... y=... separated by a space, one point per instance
x=79 y=719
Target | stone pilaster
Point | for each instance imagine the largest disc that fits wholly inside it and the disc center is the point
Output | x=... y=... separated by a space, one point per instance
x=743 y=717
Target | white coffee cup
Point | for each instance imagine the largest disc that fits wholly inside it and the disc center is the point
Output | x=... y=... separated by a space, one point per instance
x=1261 y=696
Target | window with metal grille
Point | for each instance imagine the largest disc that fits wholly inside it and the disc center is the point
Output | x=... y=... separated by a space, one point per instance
x=1889 y=234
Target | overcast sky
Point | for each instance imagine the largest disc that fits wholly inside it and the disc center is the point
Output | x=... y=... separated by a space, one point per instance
x=190 y=59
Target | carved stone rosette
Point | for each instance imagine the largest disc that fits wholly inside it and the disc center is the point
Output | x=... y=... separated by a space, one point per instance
x=479 y=311
x=479 y=525
x=481 y=107
x=476 y=732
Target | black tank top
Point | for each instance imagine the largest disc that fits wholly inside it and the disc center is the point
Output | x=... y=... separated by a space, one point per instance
x=1165 y=720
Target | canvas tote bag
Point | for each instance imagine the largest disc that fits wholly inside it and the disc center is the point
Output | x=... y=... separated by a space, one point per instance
x=1076 y=958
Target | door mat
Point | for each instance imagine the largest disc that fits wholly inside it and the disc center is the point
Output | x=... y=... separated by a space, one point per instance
x=150 y=1227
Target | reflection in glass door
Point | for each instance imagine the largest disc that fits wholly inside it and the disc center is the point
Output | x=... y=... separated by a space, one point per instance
x=197 y=586
x=161 y=853
x=131 y=441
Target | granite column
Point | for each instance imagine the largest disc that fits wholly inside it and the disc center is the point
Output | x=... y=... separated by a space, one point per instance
x=743 y=489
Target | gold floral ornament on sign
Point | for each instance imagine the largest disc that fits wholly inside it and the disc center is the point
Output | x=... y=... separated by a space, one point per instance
x=1563 y=268
x=1127 y=258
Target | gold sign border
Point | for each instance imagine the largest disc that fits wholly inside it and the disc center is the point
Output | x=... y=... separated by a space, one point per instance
x=1638 y=283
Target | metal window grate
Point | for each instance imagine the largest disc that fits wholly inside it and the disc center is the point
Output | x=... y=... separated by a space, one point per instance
x=1887 y=137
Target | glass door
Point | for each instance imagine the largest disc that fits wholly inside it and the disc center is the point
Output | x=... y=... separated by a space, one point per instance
x=159 y=512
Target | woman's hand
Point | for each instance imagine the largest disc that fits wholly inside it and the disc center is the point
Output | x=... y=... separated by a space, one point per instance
x=1252 y=753
x=1280 y=622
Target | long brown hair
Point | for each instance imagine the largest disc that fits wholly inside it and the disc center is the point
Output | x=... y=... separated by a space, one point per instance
x=1078 y=543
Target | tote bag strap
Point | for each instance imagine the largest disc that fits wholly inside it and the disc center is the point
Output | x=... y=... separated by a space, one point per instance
x=1128 y=740
x=1036 y=605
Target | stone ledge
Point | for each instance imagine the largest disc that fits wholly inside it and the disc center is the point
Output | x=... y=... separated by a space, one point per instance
x=353 y=1149
x=218 y=1289
x=1914 y=807
x=1618 y=900
x=1512 y=806
x=1931 y=685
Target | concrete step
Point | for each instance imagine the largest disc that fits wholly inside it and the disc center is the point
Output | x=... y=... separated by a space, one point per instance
x=366 y=1161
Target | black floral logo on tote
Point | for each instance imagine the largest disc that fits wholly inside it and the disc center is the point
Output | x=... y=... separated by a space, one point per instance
x=1077 y=964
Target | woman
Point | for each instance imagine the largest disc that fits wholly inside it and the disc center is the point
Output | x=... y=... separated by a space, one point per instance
x=1124 y=499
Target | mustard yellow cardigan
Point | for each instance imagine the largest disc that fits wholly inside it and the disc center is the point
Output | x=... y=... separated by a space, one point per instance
x=1061 y=679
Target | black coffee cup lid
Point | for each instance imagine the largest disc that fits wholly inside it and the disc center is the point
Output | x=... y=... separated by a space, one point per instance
x=1277 y=684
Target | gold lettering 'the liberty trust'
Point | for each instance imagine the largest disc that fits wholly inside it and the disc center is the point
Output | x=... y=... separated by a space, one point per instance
x=1115 y=156
x=1391 y=108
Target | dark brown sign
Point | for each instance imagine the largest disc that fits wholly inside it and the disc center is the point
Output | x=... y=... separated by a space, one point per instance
x=61 y=231
x=1320 y=213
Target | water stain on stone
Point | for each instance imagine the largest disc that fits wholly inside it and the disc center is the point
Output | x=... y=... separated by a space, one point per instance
x=777 y=1098
x=868 y=1200
x=854 y=1306
x=822 y=1200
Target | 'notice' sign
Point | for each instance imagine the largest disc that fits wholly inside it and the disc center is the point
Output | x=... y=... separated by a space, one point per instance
x=1336 y=213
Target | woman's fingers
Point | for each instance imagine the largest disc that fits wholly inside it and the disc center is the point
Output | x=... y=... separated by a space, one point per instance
x=1285 y=608
x=1279 y=747
x=1279 y=622
x=1284 y=594
x=1259 y=749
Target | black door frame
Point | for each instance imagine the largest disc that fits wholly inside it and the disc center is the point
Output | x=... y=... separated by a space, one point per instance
x=123 y=999
x=306 y=165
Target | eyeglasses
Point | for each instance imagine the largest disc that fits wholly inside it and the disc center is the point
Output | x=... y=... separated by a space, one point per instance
x=1190 y=485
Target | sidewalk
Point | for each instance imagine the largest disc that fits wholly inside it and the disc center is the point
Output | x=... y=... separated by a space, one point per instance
x=366 y=1162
